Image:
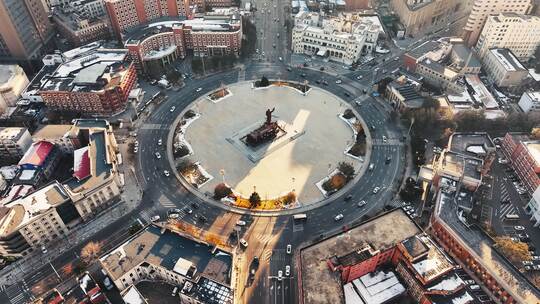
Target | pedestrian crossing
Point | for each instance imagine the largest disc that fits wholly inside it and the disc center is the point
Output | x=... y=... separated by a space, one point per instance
x=266 y=255
x=297 y=227
x=504 y=193
x=506 y=209
x=16 y=294
x=150 y=126
x=165 y=202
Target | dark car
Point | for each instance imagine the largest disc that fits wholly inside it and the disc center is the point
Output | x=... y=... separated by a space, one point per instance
x=348 y=197
x=347 y=94
x=194 y=205
x=388 y=160
x=202 y=218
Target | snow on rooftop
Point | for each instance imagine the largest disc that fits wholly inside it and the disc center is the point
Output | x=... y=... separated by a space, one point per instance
x=157 y=54
x=64 y=70
x=463 y=97
x=481 y=93
x=507 y=59
x=381 y=291
x=132 y=296
x=449 y=283
x=351 y=296
x=27 y=174
x=465 y=298
x=182 y=266
x=478 y=150
x=534 y=75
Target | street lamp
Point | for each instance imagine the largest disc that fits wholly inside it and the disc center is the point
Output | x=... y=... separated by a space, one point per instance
x=222 y=172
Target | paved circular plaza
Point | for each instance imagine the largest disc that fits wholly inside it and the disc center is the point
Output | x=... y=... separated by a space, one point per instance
x=312 y=143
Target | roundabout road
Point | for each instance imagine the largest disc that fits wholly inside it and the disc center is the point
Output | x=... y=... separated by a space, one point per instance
x=268 y=236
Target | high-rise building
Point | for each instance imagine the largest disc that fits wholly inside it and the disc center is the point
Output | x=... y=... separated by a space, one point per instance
x=421 y=16
x=126 y=14
x=13 y=80
x=516 y=32
x=483 y=8
x=26 y=30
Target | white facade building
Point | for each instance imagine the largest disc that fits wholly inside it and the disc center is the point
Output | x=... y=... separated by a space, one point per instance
x=503 y=68
x=533 y=208
x=13 y=80
x=518 y=33
x=14 y=142
x=530 y=101
x=481 y=9
x=343 y=39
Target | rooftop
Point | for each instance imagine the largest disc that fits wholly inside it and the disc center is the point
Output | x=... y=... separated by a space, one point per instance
x=460 y=165
x=534 y=150
x=382 y=232
x=52 y=131
x=37 y=153
x=424 y=48
x=373 y=288
x=472 y=144
x=480 y=246
x=481 y=93
x=508 y=60
x=463 y=52
x=7 y=71
x=11 y=133
x=26 y=208
x=165 y=250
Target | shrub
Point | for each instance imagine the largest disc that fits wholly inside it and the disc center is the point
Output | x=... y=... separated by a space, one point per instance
x=221 y=191
x=186 y=166
x=264 y=82
x=181 y=151
x=254 y=199
x=358 y=149
x=335 y=183
x=347 y=170
x=189 y=114
x=290 y=198
x=348 y=114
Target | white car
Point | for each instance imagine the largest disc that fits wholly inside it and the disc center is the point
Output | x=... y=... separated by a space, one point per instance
x=135 y=149
x=241 y=223
x=172 y=109
x=384 y=139
x=287 y=270
x=359 y=77
x=280 y=59
x=199 y=89
x=338 y=217
x=519 y=228
x=396 y=58
x=280 y=275
x=289 y=249
x=107 y=283
x=155 y=218
x=244 y=243
x=158 y=156
x=361 y=204
x=174 y=216
x=159 y=142
x=376 y=189
x=166 y=173
x=338 y=81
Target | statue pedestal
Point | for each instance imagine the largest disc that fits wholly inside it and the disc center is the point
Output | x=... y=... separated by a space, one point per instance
x=286 y=134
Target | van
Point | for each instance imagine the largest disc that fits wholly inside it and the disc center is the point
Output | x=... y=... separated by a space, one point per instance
x=510 y=216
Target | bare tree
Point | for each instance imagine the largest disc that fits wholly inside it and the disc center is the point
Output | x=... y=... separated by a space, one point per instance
x=90 y=252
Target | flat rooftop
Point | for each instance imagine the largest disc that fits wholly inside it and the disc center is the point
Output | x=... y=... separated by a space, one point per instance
x=473 y=144
x=382 y=232
x=461 y=164
x=52 y=131
x=165 y=249
x=480 y=246
x=26 y=208
x=508 y=60
x=424 y=48
x=11 y=133
x=534 y=150
x=6 y=72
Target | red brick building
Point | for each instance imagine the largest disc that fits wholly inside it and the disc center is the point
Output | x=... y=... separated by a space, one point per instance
x=524 y=157
x=96 y=84
x=126 y=14
x=216 y=33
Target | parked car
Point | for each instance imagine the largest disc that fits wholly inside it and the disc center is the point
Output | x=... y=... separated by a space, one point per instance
x=244 y=243
x=241 y=223
x=338 y=81
x=199 y=89
x=194 y=205
x=287 y=270
x=376 y=189
x=174 y=291
x=289 y=248
x=527 y=263
x=348 y=198
x=155 y=218
x=159 y=142
x=359 y=77
x=280 y=275
x=107 y=283
x=166 y=173
x=158 y=156
x=519 y=228
x=187 y=210
x=172 y=109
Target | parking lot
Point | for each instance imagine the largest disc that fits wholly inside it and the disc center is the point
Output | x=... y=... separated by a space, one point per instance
x=506 y=210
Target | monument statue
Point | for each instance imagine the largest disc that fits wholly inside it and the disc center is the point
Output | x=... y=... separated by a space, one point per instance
x=269 y=115
x=264 y=133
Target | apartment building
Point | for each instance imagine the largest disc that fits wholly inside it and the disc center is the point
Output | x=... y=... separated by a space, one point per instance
x=94 y=82
x=13 y=80
x=504 y=69
x=215 y=33
x=533 y=208
x=481 y=9
x=516 y=32
x=33 y=219
x=201 y=271
x=78 y=27
x=126 y=14
x=440 y=76
x=14 y=142
x=65 y=137
x=345 y=38
x=419 y=16
x=530 y=101
x=26 y=30
x=524 y=155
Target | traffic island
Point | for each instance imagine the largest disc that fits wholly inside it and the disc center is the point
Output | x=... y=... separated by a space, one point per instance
x=283 y=156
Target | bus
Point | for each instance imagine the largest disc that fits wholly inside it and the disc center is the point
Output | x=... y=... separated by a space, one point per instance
x=300 y=217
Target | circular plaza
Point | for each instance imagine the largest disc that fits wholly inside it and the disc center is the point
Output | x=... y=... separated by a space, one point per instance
x=291 y=144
